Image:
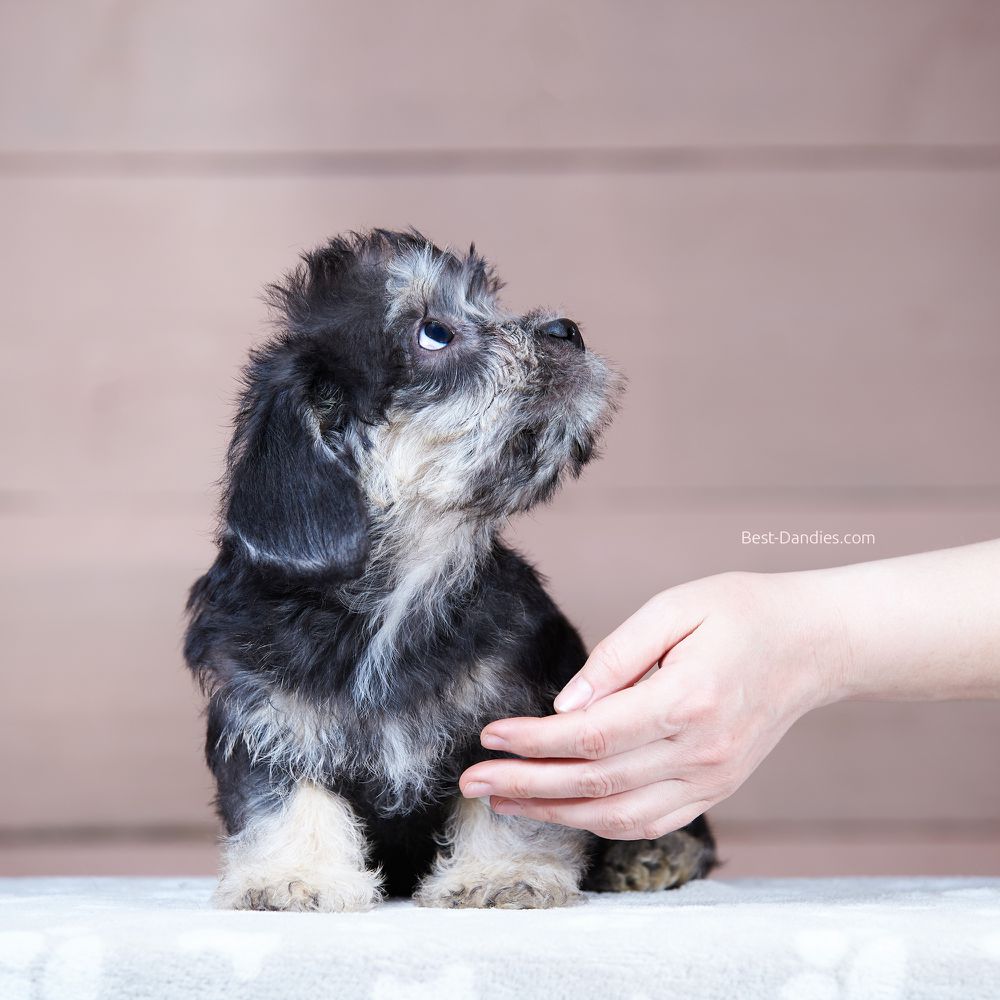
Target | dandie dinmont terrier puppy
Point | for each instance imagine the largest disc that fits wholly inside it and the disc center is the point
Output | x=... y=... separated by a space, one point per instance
x=363 y=620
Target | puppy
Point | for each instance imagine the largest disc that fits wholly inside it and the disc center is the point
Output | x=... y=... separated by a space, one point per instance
x=363 y=621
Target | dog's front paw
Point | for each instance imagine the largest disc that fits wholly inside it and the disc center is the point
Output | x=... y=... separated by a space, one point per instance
x=351 y=891
x=503 y=888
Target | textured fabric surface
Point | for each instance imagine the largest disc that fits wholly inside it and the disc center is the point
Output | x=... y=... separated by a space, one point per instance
x=793 y=939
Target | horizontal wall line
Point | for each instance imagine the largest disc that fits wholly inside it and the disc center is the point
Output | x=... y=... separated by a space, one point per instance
x=755 y=498
x=44 y=836
x=859 y=829
x=792 y=830
x=514 y=161
x=718 y=499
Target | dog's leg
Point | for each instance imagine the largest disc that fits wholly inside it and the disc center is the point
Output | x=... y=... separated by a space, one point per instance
x=651 y=865
x=306 y=852
x=505 y=862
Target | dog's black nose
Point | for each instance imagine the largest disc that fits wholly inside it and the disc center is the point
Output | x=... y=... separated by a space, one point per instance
x=564 y=329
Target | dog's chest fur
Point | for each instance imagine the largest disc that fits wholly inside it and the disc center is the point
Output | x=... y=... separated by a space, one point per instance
x=401 y=753
x=291 y=679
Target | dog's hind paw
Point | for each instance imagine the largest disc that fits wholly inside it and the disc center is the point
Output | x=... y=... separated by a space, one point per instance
x=651 y=865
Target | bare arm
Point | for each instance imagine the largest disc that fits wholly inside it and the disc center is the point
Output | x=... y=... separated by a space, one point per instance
x=919 y=628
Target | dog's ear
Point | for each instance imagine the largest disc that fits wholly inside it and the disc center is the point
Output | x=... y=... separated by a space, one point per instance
x=293 y=501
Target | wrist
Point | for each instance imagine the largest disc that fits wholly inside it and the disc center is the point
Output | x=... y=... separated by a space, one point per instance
x=823 y=647
x=857 y=617
x=917 y=628
x=914 y=628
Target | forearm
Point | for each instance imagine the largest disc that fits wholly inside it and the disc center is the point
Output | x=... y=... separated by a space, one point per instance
x=919 y=628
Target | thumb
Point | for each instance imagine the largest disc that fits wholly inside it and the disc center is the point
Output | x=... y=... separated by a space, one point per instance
x=627 y=653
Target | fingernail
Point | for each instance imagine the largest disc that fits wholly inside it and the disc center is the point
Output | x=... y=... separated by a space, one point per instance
x=575 y=695
x=493 y=742
x=476 y=790
x=506 y=807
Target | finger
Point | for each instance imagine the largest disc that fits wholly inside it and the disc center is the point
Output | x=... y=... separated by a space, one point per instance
x=635 y=815
x=570 y=779
x=623 y=721
x=677 y=819
x=628 y=652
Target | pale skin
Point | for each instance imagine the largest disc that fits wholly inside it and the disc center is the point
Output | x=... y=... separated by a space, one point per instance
x=737 y=659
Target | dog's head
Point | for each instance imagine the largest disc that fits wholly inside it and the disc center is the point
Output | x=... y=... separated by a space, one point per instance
x=398 y=381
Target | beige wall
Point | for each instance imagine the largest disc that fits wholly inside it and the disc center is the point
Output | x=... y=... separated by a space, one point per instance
x=781 y=220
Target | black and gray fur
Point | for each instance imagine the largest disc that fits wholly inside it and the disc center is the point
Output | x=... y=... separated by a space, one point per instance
x=363 y=621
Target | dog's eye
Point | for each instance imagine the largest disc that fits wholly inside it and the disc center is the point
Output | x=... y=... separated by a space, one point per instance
x=433 y=336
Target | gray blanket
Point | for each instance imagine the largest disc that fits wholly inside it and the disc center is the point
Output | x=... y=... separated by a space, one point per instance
x=790 y=939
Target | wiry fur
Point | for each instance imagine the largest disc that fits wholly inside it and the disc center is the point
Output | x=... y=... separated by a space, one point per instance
x=288 y=735
x=504 y=862
x=307 y=854
x=363 y=621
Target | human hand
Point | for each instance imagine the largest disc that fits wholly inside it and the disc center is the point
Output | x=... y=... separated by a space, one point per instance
x=740 y=657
